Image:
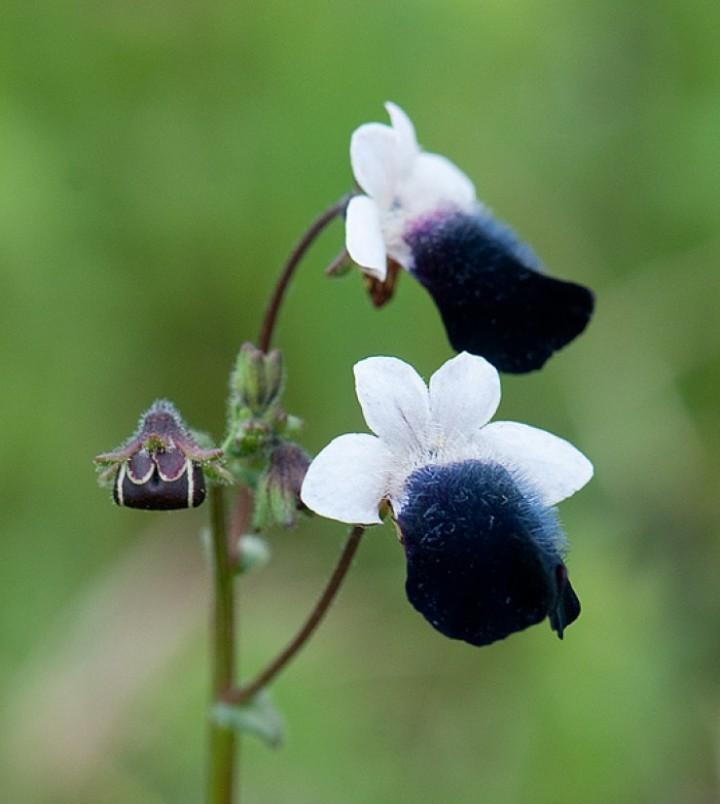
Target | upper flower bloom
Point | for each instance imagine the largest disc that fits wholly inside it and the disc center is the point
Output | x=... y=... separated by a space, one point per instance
x=421 y=212
x=472 y=500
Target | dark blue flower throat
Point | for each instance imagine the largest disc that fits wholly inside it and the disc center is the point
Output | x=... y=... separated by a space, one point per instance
x=493 y=299
x=483 y=556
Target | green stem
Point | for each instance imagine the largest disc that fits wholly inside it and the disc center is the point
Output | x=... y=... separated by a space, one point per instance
x=222 y=772
x=223 y=750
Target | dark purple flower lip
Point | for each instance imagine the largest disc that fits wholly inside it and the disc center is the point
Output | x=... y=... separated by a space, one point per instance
x=155 y=493
x=160 y=466
x=484 y=557
x=489 y=287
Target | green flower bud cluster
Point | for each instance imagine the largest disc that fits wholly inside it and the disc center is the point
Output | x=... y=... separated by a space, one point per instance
x=256 y=419
x=258 y=446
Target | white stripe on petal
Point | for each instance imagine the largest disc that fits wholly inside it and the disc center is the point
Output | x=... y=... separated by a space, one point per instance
x=348 y=479
x=363 y=236
x=464 y=395
x=551 y=466
x=394 y=401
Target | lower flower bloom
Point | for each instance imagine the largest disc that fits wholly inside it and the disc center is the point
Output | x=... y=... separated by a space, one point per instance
x=472 y=501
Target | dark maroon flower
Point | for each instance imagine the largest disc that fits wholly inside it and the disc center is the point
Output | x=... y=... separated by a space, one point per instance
x=161 y=466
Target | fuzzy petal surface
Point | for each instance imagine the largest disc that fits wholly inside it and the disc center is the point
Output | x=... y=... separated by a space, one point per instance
x=348 y=479
x=483 y=559
x=489 y=287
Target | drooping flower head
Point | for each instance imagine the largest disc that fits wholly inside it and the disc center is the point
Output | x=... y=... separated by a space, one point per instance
x=472 y=501
x=160 y=467
x=277 y=496
x=421 y=212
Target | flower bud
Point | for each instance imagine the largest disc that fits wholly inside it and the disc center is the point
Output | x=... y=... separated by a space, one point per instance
x=257 y=380
x=253 y=553
x=278 y=493
x=160 y=467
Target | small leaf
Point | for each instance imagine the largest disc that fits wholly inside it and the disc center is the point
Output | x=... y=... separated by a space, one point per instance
x=219 y=474
x=106 y=475
x=258 y=717
x=340 y=266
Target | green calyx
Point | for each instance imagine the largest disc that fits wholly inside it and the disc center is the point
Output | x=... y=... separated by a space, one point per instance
x=257 y=379
x=258 y=444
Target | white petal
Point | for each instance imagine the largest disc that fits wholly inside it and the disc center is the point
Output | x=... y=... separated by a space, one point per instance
x=383 y=156
x=464 y=394
x=363 y=236
x=403 y=127
x=434 y=176
x=348 y=479
x=394 y=401
x=373 y=149
x=551 y=466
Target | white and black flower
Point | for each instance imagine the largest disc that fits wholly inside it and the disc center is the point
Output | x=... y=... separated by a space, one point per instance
x=473 y=501
x=421 y=212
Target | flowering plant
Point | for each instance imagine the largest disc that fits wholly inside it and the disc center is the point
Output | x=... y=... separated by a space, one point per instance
x=472 y=500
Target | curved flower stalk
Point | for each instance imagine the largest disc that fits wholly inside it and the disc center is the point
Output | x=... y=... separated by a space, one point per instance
x=472 y=500
x=420 y=212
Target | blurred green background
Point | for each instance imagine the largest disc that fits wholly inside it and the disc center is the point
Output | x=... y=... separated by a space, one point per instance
x=158 y=161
